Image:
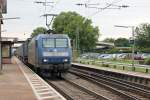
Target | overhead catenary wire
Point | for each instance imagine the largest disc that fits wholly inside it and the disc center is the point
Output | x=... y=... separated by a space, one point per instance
x=111 y=5
x=45 y=11
x=57 y=2
x=88 y=1
x=87 y=4
x=106 y=7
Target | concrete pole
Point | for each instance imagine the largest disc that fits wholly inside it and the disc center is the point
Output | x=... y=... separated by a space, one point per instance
x=76 y=39
x=133 y=48
x=0 y=43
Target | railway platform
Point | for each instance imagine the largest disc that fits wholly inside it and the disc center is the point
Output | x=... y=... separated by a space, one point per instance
x=18 y=82
x=138 y=74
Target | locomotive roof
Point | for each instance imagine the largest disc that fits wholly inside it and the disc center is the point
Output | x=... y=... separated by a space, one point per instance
x=52 y=36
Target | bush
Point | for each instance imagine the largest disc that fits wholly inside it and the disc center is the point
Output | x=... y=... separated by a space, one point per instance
x=141 y=62
x=147 y=61
x=145 y=50
x=114 y=66
x=105 y=65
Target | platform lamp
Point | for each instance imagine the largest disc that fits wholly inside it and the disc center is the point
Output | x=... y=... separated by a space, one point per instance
x=133 y=46
x=1 y=39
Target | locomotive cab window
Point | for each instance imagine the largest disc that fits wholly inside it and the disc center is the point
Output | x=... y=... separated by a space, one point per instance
x=61 y=43
x=48 y=43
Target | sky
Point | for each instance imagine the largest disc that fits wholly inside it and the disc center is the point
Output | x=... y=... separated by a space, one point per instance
x=30 y=16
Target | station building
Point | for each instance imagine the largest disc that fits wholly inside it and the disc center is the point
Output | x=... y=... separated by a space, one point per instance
x=6 y=46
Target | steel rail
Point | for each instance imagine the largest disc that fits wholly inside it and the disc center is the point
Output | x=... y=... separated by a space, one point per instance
x=60 y=91
x=109 y=80
x=127 y=96
x=118 y=79
x=101 y=97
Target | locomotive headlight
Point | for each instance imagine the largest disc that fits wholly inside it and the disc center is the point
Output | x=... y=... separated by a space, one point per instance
x=65 y=60
x=45 y=60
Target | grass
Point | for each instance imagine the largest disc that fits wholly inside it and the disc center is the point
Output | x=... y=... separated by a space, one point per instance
x=149 y=70
x=119 y=61
x=128 y=68
x=140 y=69
x=121 y=67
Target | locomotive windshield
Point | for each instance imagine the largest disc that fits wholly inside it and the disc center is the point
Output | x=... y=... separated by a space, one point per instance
x=55 y=43
x=48 y=43
x=61 y=43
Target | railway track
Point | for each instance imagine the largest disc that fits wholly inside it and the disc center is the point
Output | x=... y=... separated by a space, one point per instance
x=81 y=84
x=136 y=91
x=74 y=91
x=76 y=88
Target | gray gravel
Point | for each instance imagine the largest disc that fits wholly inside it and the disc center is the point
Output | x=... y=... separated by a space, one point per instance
x=76 y=93
x=94 y=87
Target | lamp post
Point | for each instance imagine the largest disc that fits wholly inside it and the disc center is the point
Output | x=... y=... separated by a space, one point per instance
x=133 y=46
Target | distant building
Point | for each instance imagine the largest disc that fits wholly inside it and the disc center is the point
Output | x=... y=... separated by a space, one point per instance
x=104 y=45
x=7 y=43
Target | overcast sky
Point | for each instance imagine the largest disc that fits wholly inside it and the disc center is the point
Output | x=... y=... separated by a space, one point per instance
x=30 y=12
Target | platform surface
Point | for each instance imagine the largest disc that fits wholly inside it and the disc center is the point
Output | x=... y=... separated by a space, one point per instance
x=13 y=85
x=18 y=82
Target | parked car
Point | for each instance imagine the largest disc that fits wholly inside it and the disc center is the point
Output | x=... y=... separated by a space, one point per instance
x=120 y=55
x=109 y=56
x=138 y=57
x=102 y=56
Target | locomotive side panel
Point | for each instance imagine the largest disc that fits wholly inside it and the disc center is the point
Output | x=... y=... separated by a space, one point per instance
x=32 y=53
x=25 y=51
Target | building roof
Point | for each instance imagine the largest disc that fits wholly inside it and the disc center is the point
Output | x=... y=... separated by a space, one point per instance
x=105 y=44
x=11 y=39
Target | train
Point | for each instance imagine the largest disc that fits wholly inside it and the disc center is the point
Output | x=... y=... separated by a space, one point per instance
x=50 y=53
x=22 y=51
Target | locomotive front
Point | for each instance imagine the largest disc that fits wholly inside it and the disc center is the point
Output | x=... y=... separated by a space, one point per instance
x=55 y=53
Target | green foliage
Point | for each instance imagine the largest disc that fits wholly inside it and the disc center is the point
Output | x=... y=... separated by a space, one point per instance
x=118 y=50
x=143 y=36
x=147 y=61
x=110 y=40
x=38 y=30
x=122 y=42
x=113 y=50
x=146 y=50
x=79 y=29
x=141 y=62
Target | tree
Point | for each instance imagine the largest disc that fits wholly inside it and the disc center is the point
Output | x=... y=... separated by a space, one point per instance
x=122 y=42
x=79 y=29
x=143 y=36
x=110 y=40
x=38 y=30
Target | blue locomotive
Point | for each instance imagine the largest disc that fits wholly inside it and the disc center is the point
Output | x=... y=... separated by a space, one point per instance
x=48 y=52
